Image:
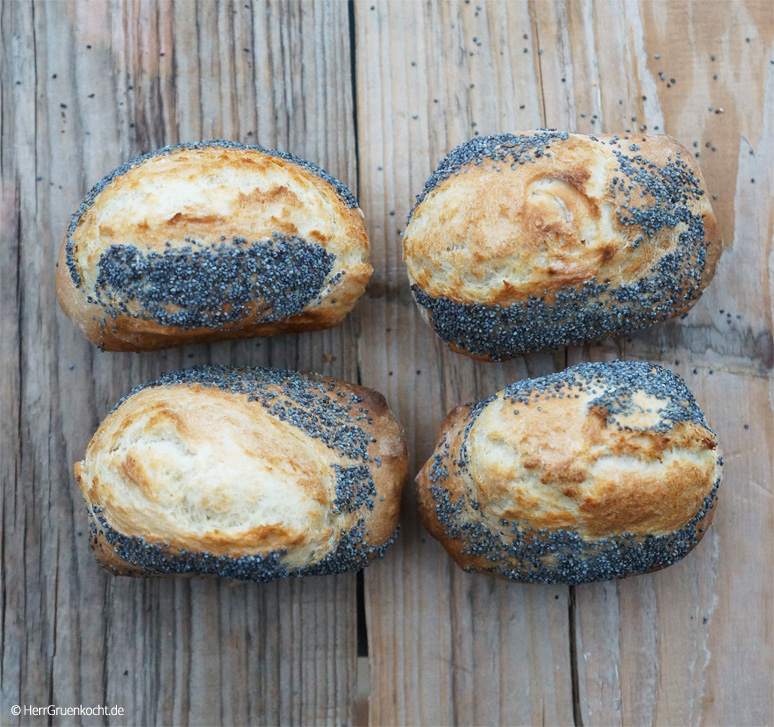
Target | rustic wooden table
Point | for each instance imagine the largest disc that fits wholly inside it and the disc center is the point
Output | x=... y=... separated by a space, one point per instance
x=377 y=92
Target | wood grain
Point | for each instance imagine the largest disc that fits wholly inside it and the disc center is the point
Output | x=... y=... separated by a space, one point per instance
x=377 y=92
x=446 y=647
x=100 y=83
x=659 y=649
x=639 y=651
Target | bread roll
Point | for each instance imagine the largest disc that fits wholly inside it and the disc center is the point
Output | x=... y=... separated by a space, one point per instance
x=211 y=240
x=539 y=240
x=254 y=474
x=598 y=472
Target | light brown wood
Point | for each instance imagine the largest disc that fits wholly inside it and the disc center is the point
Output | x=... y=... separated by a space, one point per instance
x=446 y=647
x=642 y=651
x=662 y=649
x=377 y=92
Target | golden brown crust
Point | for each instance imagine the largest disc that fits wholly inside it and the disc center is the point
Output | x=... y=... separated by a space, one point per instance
x=611 y=464
x=275 y=473
x=506 y=220
x=210 y=210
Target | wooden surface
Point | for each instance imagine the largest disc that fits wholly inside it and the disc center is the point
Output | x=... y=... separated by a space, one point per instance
x=377 y=93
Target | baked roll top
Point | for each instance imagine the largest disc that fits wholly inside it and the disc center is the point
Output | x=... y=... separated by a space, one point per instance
x=243 y=473
x=211 y=240
x=533 y=241
x=598 y=472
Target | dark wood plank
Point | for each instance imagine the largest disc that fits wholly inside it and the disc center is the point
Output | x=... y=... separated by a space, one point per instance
x=15 y=82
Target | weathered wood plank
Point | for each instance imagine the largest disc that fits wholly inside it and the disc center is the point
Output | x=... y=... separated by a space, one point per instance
x=677 y=646
x=100 y=83
x=663 y=648
x=15 y=81
x=644 y=652
x=445 y=647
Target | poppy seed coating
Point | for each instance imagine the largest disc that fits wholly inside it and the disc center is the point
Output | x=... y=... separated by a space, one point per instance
x=200 y=286
x=353 y=552
x=354 y=488
x=521 y=553
x=517 y=550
